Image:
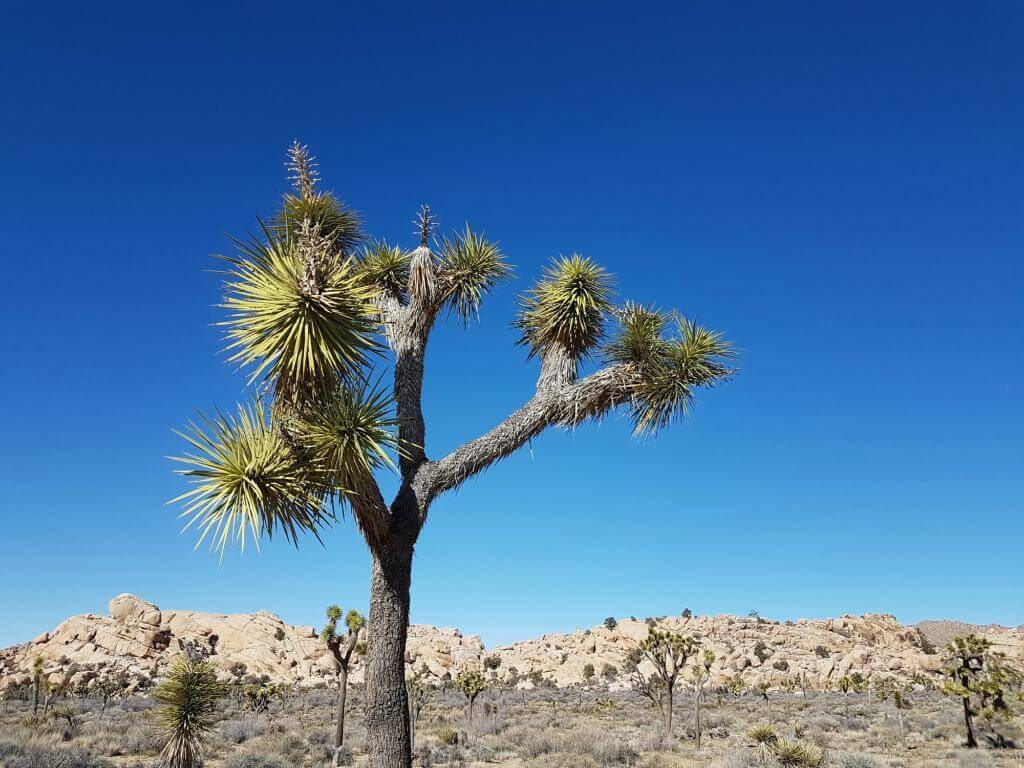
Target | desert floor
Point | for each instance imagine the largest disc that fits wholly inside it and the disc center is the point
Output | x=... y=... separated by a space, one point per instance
x=528 y=729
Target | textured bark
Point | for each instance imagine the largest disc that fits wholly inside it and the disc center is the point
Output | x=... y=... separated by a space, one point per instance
x=339 y=727
x=568 y=405
x=388 y=736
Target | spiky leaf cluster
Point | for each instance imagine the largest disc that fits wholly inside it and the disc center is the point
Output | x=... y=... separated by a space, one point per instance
x=470 y=267
x=248 y=481
x=354 y=621
x=300 y=339
x=668 y=651
x=796 y=753
x=763 y=735
x=348 y=436
x=385 y=267
x=671 y=366
x=186 y=705
x=471 y=683
x=566 y=309
x=338 y=223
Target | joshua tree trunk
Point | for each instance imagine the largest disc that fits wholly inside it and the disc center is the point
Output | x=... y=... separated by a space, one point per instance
x=969 y=723
x=697 y=713
x=339 y=729
x=470 y=707
x=668 y=711
x=35 y=702
x=388 y=736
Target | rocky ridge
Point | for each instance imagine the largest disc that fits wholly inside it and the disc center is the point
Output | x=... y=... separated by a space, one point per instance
x=137 y=640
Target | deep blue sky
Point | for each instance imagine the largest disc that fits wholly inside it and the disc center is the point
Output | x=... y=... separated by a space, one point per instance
x=837 y=186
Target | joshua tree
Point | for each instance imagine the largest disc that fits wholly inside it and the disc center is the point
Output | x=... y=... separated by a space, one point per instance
x=419 y=692
x=471 y=683
x=37 y=681
x=701 y=674
x=187 y=700
x=889 y=690
x=981 y=679
x=491 y=664
x=311 y=306
x=765 y=737
x=342 y=646
x=667 y=652
x=610 y=623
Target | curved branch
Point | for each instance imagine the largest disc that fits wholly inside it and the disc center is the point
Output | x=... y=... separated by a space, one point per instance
x=589 y=398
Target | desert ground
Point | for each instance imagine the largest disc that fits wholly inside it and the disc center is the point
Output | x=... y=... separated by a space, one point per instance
x=561 y=728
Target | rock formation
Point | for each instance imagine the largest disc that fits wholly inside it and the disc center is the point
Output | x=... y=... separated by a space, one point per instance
x=137 y=640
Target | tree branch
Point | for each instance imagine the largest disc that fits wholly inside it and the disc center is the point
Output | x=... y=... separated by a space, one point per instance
x=569 y=405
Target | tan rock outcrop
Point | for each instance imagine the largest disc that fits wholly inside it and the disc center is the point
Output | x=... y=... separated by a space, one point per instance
x=137 y=640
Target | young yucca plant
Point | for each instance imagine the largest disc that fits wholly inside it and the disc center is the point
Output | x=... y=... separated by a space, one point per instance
x=186 y=704
x=795 y=753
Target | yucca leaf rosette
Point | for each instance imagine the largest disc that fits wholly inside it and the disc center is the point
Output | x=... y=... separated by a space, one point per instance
x=297 y=337
x=566 y=309
x=248 y=481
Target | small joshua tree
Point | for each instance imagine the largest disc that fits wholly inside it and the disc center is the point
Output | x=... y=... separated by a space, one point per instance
x=765 y=737
x=343 y=646
x=491 y=664
x=667 y=652
x=471 y=683
x=981 y=679
x=888 y=690
x=186 y=703
x=419 y=693
x=37 y=682
x=701 y=674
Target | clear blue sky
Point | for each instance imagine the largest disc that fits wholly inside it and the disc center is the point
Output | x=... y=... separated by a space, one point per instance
x=836 y=185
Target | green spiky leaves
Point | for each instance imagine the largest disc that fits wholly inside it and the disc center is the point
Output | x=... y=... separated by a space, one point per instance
x=186 y=709
x=670 y=367
x=248 y=481
x=253 y=478
x=336 y=222
x=350 y=436
x=470 y=267
x=300 y=337
x=385 y=268
x=566 y=308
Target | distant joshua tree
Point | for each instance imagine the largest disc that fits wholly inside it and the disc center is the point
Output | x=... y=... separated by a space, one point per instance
x=889 y=690
x=343 y=646
x=37 y=682
x=982 y=680
x=419 y=692
x=471 y=683
x=701 y=675
x=311 y=306
x=667 y=652
x=491 y=664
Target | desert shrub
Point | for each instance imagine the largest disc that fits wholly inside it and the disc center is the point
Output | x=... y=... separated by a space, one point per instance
x=9 y=748
x=240 y=731
x=821 y=651
x=852 y=760
x=761 y=650
x=252 y=760
x=782 y=665
x=738 y=758
x=563 y=760
x=530 y=742
x=139 y=741
x=660 y=760
x=345 y=755
x=37 y=756
x=448 y=736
